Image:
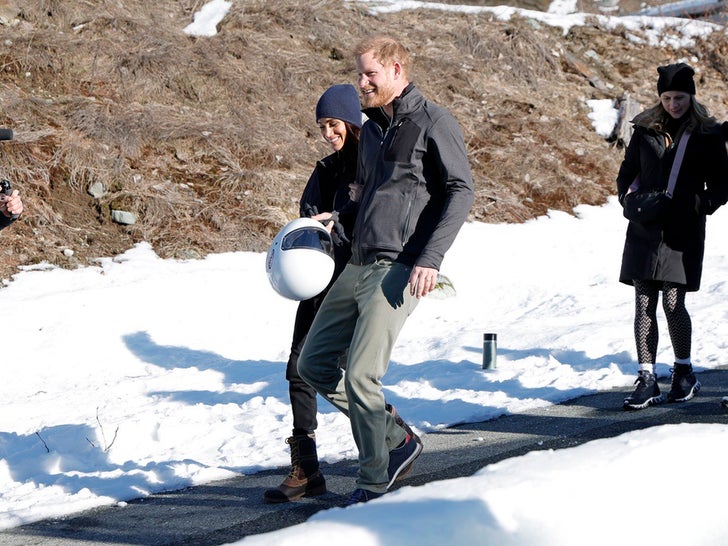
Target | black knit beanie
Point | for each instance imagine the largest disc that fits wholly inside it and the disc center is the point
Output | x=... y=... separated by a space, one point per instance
x=675 y=77
x=340 y=102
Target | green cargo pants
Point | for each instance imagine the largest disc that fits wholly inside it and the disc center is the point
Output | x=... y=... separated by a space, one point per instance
x=364 y=310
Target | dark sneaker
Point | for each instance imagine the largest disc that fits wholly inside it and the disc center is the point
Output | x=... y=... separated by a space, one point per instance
x=402 y=458
x=646 y=393
x=724 y=402
x=397 y=419
x=684 y=384
x=362 y=495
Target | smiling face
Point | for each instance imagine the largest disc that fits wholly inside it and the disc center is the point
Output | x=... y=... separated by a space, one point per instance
x=379 y=84
x=334 y=132
x=675 y=103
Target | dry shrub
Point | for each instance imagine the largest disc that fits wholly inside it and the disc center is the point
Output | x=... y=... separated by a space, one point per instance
x=209 y=141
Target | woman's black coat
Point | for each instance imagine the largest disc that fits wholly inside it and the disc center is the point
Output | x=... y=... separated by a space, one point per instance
x=327 y=190
x=672 y=250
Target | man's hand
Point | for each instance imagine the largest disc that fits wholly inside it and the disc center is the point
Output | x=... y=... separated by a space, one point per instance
x=11 y=205
x=422 y=281
x=355 y=191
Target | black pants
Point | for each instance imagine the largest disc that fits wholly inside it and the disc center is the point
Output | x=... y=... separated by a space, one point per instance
x=302 y=395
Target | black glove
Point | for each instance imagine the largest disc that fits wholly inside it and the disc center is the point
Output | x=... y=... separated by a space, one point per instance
x=312 y=210
x=339 y=229
x=704 y=204
x=309 y=210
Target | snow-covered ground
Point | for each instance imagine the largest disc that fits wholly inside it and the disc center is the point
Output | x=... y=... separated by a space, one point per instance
x=141 y=375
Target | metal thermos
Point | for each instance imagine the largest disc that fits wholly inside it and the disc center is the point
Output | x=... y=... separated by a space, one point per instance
x=490 y=348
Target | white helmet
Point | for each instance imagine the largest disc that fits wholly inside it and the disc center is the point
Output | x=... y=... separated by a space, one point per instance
x=300 y=261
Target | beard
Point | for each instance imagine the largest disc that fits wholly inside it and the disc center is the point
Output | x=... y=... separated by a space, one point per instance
x=381 y=96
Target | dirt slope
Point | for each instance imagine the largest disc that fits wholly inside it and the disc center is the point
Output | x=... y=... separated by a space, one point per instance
x=209 y=141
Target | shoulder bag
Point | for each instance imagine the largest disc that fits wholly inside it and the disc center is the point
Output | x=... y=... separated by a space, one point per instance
x=650 y=206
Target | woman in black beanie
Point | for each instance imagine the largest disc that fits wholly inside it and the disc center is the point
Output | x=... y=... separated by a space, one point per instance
x=329 y=196
x=675 y=137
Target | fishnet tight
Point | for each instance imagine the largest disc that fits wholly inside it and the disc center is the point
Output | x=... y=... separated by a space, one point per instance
x=645 y=319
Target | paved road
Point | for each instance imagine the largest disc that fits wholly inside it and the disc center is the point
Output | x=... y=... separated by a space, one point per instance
x=227 y=511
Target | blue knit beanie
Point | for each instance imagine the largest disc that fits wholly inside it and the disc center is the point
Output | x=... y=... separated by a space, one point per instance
x=340 y=102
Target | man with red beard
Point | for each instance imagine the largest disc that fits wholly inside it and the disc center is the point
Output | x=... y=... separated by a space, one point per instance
x=416 y=192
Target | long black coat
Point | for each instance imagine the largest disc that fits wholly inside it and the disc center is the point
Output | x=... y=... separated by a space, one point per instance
x=672 y=250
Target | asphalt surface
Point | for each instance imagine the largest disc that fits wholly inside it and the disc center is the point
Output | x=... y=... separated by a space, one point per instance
x=226 y=511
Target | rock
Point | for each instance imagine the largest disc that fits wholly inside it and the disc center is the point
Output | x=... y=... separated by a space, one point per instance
x=97 y=190
x=123 y=217
x=9 y=12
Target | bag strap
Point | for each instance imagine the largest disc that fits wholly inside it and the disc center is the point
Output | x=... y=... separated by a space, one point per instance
x=676 y=163
x=672 y=181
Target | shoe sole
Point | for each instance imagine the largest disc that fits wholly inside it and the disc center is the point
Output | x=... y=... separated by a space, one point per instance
x=406 y=466
x=276 y=496
x=358 y=500
x=691 y=394
x=273 y=498
x=649 y=402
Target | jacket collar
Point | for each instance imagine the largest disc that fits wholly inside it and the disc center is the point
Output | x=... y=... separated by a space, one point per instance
x=406 y=103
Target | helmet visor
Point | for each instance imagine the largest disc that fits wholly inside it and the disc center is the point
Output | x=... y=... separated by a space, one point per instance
x=308 y=237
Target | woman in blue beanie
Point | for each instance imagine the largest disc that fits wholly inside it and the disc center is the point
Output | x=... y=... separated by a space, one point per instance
x=677 y=147
x=327 y=197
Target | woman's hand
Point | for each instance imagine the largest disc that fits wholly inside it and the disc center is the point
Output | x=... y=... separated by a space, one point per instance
x=326 y=219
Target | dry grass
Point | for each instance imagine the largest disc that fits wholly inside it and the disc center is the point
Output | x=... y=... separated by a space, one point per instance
x=209 y=141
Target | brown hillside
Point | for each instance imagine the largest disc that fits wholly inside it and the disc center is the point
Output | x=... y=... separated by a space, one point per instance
x=209 y=141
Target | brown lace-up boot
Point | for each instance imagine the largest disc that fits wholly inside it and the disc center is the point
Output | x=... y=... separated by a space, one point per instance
x=305 y=478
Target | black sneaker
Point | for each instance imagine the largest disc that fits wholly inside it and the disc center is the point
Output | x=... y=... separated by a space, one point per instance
x=646 y=393
x=684 y=384
x=397 y=419
x=402 y=458
x=362 y=495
